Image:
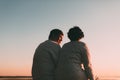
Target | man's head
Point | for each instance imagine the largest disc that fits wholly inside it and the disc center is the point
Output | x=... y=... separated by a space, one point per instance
x=56 y=35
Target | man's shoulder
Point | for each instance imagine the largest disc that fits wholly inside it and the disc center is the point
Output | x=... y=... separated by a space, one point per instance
x=45 y=42
x=48 y=43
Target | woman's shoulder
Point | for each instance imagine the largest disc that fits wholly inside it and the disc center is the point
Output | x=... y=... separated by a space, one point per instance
x=67 y=43
x=75 y=43
x=82 y=43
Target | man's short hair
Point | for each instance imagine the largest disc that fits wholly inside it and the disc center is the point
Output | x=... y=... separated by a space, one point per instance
x=55 y=34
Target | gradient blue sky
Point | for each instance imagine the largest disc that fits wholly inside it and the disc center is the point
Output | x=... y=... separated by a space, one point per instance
x=26 y=23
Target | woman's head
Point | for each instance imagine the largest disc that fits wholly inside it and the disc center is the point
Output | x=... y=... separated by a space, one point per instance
x=75 y=33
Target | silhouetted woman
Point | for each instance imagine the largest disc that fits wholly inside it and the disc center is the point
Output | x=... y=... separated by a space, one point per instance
x=74 y=62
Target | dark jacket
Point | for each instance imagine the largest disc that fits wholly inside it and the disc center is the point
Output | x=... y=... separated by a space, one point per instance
x=45 y=61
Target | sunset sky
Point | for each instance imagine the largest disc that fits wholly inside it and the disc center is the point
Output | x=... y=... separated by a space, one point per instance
x=24 y=24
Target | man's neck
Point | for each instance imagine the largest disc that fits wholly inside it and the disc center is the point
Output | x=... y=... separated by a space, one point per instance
x=55 y=42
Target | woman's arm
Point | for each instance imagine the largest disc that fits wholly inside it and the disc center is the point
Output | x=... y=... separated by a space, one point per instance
x=86 y=63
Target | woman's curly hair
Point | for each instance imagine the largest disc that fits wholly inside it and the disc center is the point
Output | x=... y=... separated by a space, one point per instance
x=75 y=33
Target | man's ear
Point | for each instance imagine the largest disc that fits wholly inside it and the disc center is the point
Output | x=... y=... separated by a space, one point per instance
x=60 y=39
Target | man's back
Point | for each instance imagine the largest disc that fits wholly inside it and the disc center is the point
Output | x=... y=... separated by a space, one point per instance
x=45 y=61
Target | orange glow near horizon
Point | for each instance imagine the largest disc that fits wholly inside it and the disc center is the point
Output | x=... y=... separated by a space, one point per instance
x=25 y=71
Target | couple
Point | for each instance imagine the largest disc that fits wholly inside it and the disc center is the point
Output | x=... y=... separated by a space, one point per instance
x=71 y=62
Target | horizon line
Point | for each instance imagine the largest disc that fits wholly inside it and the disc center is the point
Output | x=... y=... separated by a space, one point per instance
x=15 y=76
x=31 y=76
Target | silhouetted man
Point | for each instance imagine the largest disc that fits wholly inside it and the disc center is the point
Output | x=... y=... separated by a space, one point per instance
x=46 y=57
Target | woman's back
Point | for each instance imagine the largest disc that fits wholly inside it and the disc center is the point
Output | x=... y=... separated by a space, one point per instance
x=70 y=62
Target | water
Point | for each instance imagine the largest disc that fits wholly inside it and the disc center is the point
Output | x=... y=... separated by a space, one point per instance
x=15 y=78
x=100 y=78
x=109 y=78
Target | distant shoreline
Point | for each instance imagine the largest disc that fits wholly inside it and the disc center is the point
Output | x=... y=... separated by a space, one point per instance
x=30 y=78
x=15 y=76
